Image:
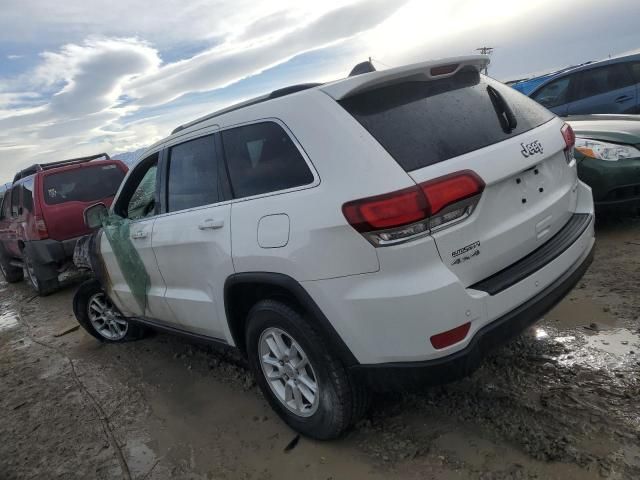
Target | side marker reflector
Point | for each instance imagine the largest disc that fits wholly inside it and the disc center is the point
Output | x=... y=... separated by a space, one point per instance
x=450 y=337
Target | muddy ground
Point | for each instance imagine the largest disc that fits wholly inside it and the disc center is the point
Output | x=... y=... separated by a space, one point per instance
x=561 y=402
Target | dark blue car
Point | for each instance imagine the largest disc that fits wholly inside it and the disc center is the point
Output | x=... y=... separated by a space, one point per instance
x=610 y=86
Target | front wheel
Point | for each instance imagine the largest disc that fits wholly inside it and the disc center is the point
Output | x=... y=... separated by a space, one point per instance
x=100 y=317
x=301 y=378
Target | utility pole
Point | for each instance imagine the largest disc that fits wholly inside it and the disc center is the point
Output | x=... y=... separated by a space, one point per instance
x=485 y=51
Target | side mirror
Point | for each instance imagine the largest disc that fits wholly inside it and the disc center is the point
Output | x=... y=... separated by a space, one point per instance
x=94 y=215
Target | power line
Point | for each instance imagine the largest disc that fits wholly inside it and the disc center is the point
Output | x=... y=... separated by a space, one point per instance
x=371 y=59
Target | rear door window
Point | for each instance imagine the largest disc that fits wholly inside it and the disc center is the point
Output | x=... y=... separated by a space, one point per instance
x=15 y=201
x=85 y=184
x=555 y=93
x=193 y=174
x=602 y=80
x=27 y=195
x=635 y=71
x=262 y=158
x=421 y=123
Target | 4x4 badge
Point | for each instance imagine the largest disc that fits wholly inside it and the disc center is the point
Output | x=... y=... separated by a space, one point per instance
x=531 y=148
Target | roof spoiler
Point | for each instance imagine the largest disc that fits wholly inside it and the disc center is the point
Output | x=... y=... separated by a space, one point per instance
x=38 y=167
x=422 y=71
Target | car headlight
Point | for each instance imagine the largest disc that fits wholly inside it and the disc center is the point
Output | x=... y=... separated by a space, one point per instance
x=610 y=152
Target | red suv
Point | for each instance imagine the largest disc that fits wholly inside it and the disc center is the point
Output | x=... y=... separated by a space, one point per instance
x=41 y=216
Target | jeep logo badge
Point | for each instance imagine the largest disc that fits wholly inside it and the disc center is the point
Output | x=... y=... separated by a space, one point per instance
x=531 y=148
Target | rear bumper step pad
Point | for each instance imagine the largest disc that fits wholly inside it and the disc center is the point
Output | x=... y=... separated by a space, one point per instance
x=537 y=259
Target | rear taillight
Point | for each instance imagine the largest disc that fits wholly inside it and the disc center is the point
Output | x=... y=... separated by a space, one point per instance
x=41 y=227
x=386 y=211
x=400 y=216
x=569 y=141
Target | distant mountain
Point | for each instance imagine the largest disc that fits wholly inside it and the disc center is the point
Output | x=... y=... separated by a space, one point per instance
x=129 y=158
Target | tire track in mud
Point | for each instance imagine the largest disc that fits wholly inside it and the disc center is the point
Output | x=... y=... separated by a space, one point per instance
x=101 y=415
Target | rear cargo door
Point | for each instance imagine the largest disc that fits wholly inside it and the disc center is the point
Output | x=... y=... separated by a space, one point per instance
x=470 y=122
x=67 y=193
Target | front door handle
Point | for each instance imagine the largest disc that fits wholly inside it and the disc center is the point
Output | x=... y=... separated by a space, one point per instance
x=623 y=98
x=139 y=234
x=211 y=224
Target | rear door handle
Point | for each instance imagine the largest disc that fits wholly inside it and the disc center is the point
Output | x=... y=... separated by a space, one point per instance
x=139 y=234
x=623 y=98
x=211 y=224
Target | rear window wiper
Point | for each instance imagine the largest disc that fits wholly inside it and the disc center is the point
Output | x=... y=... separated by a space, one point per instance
x=508 y=120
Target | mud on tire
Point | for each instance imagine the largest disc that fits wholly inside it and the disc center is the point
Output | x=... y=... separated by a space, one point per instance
x=89 y=292
x=341 y=400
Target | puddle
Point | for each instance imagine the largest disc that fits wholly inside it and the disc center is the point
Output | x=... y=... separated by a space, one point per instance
x=8 y=320
x=614 y=342
x=607 y=349
x=579 y=309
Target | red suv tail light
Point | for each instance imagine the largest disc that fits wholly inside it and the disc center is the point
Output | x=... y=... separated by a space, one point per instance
x=569 y=141
x=400 y=216
x=41 y=227
x=568 y=135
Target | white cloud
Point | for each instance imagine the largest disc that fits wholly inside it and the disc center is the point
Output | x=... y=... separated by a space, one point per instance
x=224 y=65
x=165 y=23
x=73 y=99
x=90 y=76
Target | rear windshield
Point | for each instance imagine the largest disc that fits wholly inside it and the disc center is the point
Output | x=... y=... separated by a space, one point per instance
x=425 y=122
x=85 y=184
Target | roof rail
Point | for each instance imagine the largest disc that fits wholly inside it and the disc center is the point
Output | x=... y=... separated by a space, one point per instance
x=38 y=167
x=281 y=92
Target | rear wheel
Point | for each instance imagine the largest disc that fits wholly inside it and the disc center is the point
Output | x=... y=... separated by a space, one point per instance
x=98 y=315
x=304 y=382
x=33 y=273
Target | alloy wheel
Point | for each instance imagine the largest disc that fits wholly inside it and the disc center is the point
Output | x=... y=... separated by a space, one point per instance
x=289 y=372
x=105 y=318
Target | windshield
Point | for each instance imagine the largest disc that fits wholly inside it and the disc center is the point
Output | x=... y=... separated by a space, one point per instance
x=85 y=184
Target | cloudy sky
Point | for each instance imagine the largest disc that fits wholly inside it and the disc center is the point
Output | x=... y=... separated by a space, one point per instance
x=85 y=76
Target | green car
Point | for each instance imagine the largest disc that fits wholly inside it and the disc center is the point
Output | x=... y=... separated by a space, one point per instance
x=608 y=155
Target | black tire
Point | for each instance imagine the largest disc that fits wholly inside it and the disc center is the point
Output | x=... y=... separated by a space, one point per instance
x=11 y=274
x=33 y=272
x=87 y=291
x=342 y=400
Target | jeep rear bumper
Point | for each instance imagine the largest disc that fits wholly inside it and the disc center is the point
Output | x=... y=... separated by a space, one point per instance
x=463 y=362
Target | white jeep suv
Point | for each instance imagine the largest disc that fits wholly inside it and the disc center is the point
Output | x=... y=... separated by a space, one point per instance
x=389 y=227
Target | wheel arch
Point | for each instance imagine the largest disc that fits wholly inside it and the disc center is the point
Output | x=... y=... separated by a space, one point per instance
x=243 y=290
